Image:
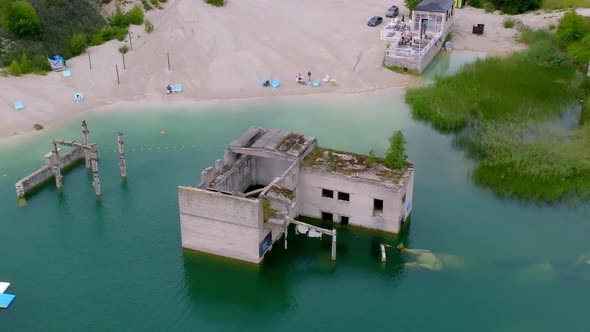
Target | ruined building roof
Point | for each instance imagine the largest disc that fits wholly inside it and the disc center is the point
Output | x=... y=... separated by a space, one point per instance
x=435 y=5
x=357 y=166
x=275 y=141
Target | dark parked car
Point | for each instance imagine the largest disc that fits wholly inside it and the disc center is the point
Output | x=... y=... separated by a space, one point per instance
x=375 y=21
x=393 y=11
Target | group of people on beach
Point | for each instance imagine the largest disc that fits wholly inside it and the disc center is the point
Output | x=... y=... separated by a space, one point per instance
x=299 y=78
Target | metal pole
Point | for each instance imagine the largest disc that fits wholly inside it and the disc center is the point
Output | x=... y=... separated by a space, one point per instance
x=85 y=142
x=333 y=244
x=89 y=62
x=96 y=179
x=56 y=165
x=122 y=163
x=168 y=54
x=123 y=55
x=117 y=69
x=130 y=43
x=286 y=233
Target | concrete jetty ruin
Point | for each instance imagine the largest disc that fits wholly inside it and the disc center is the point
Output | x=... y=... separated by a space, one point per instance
x=268 y=178
x=56 y=163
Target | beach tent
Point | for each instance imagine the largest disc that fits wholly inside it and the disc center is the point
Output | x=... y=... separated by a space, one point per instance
x=57 y=63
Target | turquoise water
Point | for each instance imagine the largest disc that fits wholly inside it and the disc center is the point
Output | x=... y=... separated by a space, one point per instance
x=116 y=264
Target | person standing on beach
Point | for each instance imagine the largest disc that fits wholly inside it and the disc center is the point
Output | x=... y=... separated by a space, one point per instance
x=309 y=76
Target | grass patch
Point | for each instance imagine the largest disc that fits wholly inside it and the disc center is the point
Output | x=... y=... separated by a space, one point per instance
x=563 y=4
x=508 y=22
x=216 y=3
x=501 y=111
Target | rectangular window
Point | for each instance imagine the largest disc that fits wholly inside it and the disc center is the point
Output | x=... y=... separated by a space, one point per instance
x=343 y=196
x=327 y=193
x=327 y=216
x=377 y=207
x=403 y=198
x=343 y=220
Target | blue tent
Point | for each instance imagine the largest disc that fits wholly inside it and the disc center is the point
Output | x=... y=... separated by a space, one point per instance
x=57 y=62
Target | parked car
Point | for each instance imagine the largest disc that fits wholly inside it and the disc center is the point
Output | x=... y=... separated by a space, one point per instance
x=375 y=21
x=393 y=11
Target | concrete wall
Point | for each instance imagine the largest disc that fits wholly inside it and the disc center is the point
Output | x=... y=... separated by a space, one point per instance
x=268 y=169
x=240 y=177
x=221 y=224
x=360 y=207
x=45 y=173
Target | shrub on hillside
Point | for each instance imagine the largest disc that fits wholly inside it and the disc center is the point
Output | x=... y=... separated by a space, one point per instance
x=119 y=19
x=580 y=51
x=135 y=15
x=78 y=43
x=489 y=8
x=475 y=3
x=508 y=22
x=20 y=18
x=149 y=26
x=216 y=3
x=572 y=27
x=516 y=6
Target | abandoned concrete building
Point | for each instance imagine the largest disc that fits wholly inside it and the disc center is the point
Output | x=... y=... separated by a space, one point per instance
x=267 y=178
x=414 y=45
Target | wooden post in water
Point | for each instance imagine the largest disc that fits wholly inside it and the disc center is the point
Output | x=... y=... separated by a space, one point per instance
x=85 y=142
x=333 y=244
x=56 y=165
x=117 y=70
x=122 y=163
x=95 y=178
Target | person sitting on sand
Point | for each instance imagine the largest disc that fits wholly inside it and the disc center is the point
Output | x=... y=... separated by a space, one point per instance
x=326 y=78
x=169 y=89
x=299 y=78
x=266 y=83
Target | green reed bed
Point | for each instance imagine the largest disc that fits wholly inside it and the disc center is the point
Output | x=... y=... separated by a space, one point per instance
x=502 y=112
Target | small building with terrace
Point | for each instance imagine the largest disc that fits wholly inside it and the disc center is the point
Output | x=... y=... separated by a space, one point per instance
x=414 y=44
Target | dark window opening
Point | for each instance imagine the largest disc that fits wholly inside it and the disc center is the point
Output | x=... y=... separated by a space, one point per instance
x=403 y=198
x=343 y=196
x=327 y=193
x=343 y=220
x=327 y=216
x=377 y=207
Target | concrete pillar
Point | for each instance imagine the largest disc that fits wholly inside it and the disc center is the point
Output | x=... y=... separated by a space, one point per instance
x=383 y=255
x=85 y=142
x=286 y=233
x=56 y=165
x=122 y=163
x=228 y=157
x=94 y=165
x=218 y=165
x=333 y=244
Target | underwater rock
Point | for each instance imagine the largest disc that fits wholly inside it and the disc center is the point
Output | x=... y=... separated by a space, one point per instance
x=534 y=273
x=428 y=260
x=581 y=267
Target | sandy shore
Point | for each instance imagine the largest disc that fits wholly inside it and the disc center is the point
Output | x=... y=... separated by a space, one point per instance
x=222 y=53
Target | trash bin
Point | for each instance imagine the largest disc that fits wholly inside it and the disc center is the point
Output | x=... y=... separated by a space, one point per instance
x=478 y=29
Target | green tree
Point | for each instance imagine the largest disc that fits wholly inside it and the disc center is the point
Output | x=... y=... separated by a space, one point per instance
x=135 y=15
x=572 y=27
x=516 y=6
x=371 y=158
x=119 y=20
x=20 y=18
x=331 y=160
x=78 y=43
x=411 y=4
x=395 y=157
